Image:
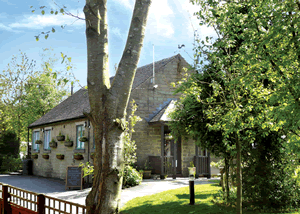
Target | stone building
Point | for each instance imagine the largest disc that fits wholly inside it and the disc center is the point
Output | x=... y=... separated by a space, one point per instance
x=154 y=96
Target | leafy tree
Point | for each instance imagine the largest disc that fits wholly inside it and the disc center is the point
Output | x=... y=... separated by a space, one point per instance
x=28 y=92
x=254 y=62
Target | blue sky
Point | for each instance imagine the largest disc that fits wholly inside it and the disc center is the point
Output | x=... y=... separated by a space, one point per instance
x=170 y=23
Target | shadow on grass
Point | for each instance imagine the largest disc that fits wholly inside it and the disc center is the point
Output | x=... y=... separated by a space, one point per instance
x=187 y=196
x=178 y=207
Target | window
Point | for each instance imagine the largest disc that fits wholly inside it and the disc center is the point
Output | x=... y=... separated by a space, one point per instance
x=47 y=134
x=79 y=134
x=35 y=136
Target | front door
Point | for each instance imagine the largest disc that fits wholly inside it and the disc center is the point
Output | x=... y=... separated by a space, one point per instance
x=172 y=155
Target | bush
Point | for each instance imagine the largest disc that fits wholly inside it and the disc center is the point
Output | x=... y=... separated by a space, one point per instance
x=10 y=163
x=268 y=176
x=131 y=177
x=9 y=144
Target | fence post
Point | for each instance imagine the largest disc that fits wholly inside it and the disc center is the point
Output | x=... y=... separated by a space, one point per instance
x=41 y=204
x=5 y=196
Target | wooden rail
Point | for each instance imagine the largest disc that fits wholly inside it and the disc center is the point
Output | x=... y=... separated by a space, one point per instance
x=15 y=200
x=204 y=165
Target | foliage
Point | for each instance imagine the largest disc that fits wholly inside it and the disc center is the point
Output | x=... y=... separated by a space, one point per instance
x=131 y=177
x=9 y=144
x=269 y=160
x=192 y=164
x=258 y=50
x=87 y=169
x=248 y=83
x=10 y=163
x=147 y=165
x=129 y=144
x=218 y=164
x=29 y=91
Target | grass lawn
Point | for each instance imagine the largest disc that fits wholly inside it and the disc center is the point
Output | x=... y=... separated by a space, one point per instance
x=177 y=201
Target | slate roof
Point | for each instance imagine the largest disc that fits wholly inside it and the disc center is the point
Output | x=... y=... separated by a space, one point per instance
x=73 y=106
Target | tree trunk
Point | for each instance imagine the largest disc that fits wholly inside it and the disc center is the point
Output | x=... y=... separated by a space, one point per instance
x=108 y=103
x=227 y=178
x=239 y=177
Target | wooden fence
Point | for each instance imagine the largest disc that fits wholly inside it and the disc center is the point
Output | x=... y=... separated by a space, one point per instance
x=203 y=167
x=14 y=200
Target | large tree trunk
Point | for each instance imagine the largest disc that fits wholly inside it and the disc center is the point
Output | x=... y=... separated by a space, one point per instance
x=108 y=104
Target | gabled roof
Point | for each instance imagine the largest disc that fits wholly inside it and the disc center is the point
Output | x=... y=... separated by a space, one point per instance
x=70 y=108
x=73 y=106
x=162 y=112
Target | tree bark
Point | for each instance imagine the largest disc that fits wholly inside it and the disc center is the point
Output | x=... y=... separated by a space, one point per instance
x=239 y=177
x=227 y=178
x=108 y=103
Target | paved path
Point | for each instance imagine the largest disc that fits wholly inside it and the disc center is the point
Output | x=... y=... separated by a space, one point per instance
x=56 y=187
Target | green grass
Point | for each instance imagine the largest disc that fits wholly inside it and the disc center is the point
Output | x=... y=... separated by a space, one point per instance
x=177 y=201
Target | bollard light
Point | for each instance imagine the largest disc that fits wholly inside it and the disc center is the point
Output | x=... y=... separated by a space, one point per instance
x=192 y=192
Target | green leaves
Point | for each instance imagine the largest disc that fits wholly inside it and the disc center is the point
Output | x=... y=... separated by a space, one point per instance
x=30 y=91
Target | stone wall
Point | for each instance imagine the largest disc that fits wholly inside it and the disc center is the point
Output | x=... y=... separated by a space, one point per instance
x=148 y=99
x=54 y=167
x=147 y=137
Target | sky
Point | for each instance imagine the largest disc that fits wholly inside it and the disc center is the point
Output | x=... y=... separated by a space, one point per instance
x=170 y=23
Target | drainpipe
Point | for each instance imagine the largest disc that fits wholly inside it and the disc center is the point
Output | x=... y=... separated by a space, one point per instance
x=27 y=143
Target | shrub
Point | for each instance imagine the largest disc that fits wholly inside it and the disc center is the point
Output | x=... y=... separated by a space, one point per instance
x=268 y=176
x=131 y=177
x=10 y=163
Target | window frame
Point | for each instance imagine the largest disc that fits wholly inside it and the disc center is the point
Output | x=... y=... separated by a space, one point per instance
x=36 y=147
x=46 y=143
x=79 y=144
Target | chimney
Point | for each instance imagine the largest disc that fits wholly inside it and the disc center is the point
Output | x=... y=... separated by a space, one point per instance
x=71 y=88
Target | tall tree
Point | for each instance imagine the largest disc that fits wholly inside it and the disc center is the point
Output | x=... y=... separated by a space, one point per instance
x=108 y=103
x=256 y=56
x=29 y=91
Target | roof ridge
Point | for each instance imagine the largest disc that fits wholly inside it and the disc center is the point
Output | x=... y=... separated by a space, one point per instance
x=170 y=59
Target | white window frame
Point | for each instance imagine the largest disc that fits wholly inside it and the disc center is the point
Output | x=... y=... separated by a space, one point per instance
x=79 y=144
x=36 y=147
x=47 y=138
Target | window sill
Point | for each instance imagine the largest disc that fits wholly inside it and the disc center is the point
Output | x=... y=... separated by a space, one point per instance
x=47 y=151
x=36 y=151
x=79 y=151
